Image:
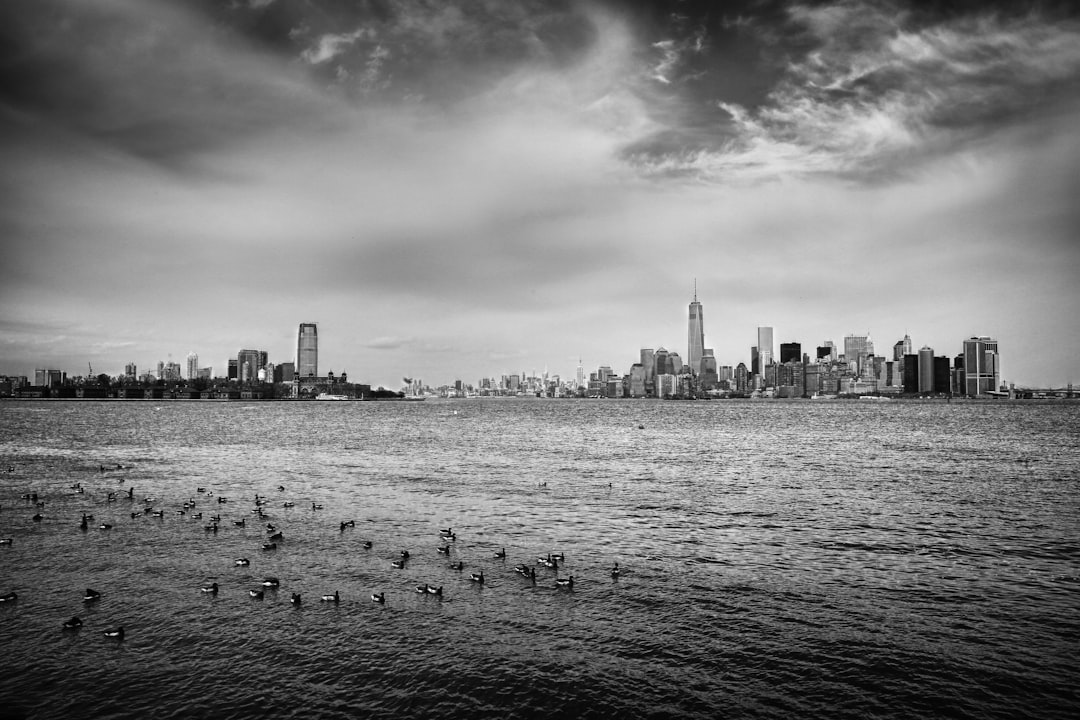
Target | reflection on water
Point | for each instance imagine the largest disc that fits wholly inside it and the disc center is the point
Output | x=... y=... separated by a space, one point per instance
x=778 y=559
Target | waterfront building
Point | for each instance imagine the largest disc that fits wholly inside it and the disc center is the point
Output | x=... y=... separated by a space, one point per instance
x=765 y=347
x=232 y=373
x=902 y=348
x=307 y=350
x=580 y=375
x=981 y=366
x=710 y=376
x=926 y=369
x=130 y=371
x=192 y=366
x=49 y=378
x=742 y=378
x=695 y=336
x=790 y=352
x=857 y=348
x=249 y=363
x=666 y=385
x=942 y=376
x=911 y=374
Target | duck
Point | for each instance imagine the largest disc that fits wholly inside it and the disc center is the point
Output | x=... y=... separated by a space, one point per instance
x=295 y=599
x=398 y=564
x=83 y=525
x=288 y=504
x=270 y=527
x=378 y=598
x=200 y=489
x=73 y=624
x=331 y=598
x=38 y=517
x=405 y=554
x=565 y=582
x=105 y=526
x=91 y=595
x=216 y=518
x=276 y=536
x=118 y=633
x=478 y=577
x=10 y=597
x=349 y=523
x=316 y=506
x=243 y=561
x=157 y=513
x=222 y=499
x=366 y=545
x=257 y=594
x=501 y=554
x=196 y=516
x=447 y=531
x=8 y=541
x=133 y=516
x=271 y=582
x=615 y=571
x=432 y=590
x=239 y=523
x=212 y=527
x=444 y=549
x=459 y=566
x=269 y=546
x=281 y=488
x=211 y=589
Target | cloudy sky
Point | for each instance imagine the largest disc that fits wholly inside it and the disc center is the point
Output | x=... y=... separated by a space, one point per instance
x=455 y=190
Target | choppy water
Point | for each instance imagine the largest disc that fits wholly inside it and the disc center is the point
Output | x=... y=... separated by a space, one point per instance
x=836 y=559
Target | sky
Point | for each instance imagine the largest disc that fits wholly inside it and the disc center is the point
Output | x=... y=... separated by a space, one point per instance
x=458 y=190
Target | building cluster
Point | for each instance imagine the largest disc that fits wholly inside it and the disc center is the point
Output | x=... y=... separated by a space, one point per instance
x=853 y=370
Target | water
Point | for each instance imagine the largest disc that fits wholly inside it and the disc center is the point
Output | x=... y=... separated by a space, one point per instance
x=804 y=559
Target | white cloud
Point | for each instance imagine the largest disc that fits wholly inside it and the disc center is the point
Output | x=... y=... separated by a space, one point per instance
x=329 y=46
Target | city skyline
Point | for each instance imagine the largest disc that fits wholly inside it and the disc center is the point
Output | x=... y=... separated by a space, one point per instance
x=466 y=190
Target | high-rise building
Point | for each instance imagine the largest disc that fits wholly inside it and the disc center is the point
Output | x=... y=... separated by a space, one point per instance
x=901 y=348
x=982 y=372
x=766 y=356
x=307 y=351
x=857 y=348
x=249 y=363
x=926 y=369
x=192 y=366
x=790 y=352
x=695 y=336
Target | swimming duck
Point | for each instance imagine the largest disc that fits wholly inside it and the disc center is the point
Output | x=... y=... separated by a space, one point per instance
x=378 y=597
x=478 y=577
x=501 y=554
x=350 y=523
x=118 y=633
x=405 y=554
x=459 y=566
x=287 y=504
x=8 y=541
x=271 y=582
x=366 y=545
x=444 y=550
x=133 y=516
x=200 y=489
x=257 y=594
x=269 y=546
x=295 y=599
x=239 y=523
x=196 y=516
x=106 y=526
x=73 y=624
x=432 y=590
x=212 y=589
x=243 y=561
x=281 y=488
x=270 y=527
x=315 y=506
x=91 y=595
x=276 y=536
x=82 y=525
x=331 y=598
x=397 y=564
x=615 y=571
x=212 y=527
x=157 y=513
x=37 y=517
x=10 y=597
x=565 y=582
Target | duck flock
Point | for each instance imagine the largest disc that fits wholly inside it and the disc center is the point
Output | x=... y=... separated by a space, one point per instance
x=206 y=507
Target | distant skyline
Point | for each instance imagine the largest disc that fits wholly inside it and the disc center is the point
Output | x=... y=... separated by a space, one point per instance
x=466 y=190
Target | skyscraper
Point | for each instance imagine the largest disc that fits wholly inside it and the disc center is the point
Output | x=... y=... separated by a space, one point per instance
x=766 y=356
x=307 y=351
x=926 y=369
x=981 y=366
x=857 y=348
x=192 y=366
x=695 y=336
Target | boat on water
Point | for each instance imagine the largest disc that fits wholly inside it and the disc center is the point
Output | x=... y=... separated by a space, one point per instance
x=329 y=396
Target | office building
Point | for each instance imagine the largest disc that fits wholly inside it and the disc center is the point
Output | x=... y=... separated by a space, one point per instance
x=790 y=352
x=926 y=369
x=765 y=353
x=249 y=363
x=192 y=366
x=902 y=348
x=857 y=348
x=982 y=370
x=307 y=351
x=695 y=336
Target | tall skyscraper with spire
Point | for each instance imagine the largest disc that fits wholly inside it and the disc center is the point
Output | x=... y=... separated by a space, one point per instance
x=695 y=335
x=307 y=351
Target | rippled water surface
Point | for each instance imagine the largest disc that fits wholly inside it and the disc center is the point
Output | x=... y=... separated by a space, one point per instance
x=804 y=559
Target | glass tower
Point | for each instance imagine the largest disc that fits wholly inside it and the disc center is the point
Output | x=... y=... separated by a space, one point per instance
x=307 y=351
x=695 y=336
